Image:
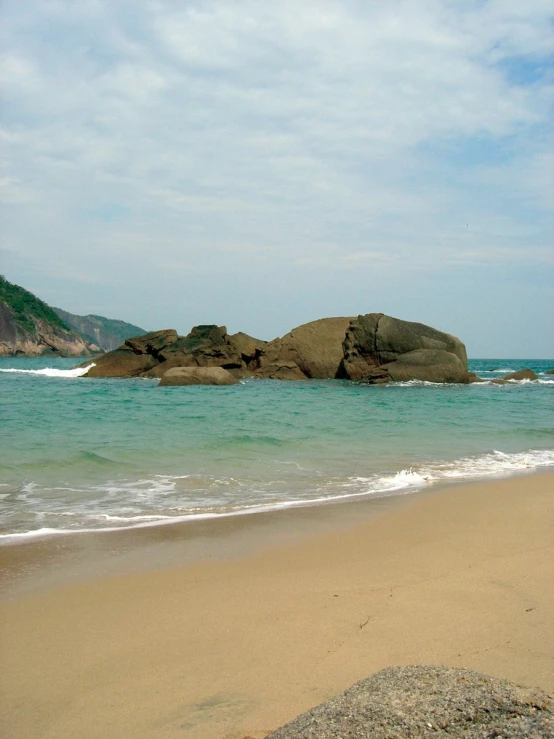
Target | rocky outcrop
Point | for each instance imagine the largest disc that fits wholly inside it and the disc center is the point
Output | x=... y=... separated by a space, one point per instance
x=197 y=376
x=378 y=348
x=372 y=348
x=106 y=333
x=153 y=354
x=38 y=337
x=420 y=701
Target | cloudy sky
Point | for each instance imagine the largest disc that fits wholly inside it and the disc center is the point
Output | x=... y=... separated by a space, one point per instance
x=262 y=164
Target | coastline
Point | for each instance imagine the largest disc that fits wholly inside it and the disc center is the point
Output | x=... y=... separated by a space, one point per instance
x=29 y=565
x=237 y=629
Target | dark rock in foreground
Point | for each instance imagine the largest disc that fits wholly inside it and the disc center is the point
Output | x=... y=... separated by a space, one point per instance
x=409 y=702
x=197 y=376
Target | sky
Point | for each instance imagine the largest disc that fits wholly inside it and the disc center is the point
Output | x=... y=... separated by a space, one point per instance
x=262 y=164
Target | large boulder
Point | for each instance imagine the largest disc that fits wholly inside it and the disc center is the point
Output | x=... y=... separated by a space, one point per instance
x=431 y=365
x=197 y=376
x=315 y=348
x=416 y=702
x=403 y=350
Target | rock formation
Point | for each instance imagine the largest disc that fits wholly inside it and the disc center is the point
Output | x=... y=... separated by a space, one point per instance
x=197 y=376
x=412 y=702
x=372 y=348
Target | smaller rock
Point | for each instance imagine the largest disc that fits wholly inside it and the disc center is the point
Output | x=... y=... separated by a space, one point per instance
x=197 y=376
x=549 y=372
x=472 y=377
x=524 y=374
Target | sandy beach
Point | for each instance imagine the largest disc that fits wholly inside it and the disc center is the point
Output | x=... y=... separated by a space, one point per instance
x=248 y=623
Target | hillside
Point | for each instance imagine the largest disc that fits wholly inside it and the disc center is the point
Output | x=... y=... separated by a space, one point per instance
x=30 y=327
x=107 y=333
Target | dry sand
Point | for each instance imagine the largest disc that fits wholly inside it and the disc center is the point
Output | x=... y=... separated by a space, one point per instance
x=234 y=646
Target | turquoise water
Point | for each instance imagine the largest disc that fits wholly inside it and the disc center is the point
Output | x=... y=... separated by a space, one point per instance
x=80 y=454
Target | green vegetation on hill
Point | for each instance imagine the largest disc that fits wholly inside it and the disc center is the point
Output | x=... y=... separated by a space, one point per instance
x=26 y=306
x=107 y=333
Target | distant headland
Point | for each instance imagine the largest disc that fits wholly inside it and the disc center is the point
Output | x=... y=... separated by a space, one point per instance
x=29 y=327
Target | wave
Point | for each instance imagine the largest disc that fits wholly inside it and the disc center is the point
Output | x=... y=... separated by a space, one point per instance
x=53 y=372
x=507 y=383
x=144 y=503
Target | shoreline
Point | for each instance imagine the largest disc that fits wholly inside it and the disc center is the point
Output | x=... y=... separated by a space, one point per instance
x=235 y=642
x=33 y=564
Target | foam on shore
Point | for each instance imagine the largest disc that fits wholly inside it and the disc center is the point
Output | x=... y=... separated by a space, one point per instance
x=169 y=499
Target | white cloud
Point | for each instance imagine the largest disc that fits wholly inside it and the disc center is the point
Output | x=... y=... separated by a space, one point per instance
x=327 y=136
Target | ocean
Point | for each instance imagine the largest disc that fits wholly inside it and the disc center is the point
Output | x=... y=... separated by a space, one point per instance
x=81 y=454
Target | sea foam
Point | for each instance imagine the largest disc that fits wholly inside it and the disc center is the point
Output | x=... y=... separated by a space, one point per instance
x=145 y=501
x=53 y=372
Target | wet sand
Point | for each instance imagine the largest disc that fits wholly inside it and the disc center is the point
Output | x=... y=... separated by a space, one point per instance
x=229 y=628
